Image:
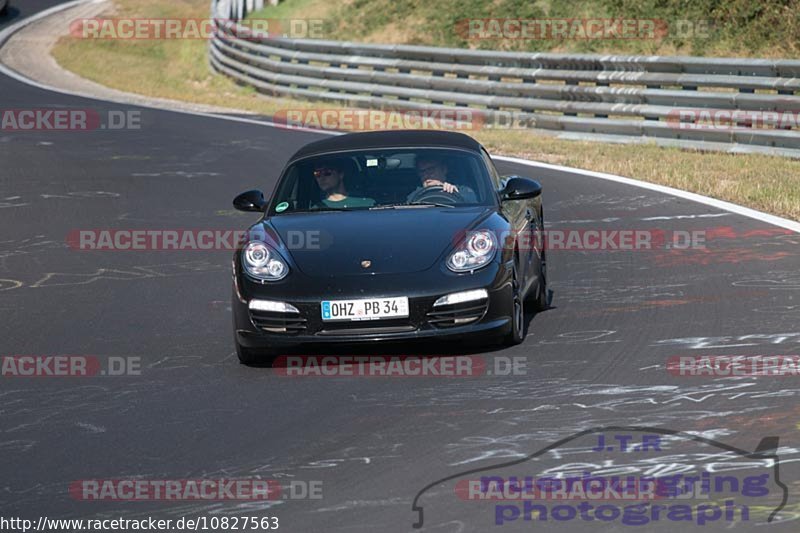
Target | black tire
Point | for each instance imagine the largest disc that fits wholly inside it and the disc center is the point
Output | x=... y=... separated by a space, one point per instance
x=4 y=11
x=540 y=295
x=517 y=333
x=539 y=298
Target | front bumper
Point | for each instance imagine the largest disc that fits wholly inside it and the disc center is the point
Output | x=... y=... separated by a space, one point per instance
x=488 y=319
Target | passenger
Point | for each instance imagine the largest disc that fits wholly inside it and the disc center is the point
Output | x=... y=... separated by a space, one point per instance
x=330 y=177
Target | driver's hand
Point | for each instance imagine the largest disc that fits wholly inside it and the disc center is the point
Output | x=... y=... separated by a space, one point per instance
x=449 y=187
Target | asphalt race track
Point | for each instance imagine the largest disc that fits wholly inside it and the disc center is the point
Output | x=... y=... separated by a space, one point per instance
x=596 y=359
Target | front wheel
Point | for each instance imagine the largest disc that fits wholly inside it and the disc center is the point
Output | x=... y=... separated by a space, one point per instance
x=517 y=333
x=540 y=300
x=541 y=296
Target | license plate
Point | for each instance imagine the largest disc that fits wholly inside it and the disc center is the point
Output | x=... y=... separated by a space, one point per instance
x=369 y=309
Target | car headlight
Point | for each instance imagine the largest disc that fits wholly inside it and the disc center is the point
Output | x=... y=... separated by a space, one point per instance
x=262 y=262
x=477 y=251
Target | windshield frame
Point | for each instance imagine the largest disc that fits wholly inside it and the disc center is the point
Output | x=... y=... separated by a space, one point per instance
x=493 y=199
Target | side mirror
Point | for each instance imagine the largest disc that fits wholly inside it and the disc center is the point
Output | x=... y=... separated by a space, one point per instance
x=519 y=188
x=250 y=201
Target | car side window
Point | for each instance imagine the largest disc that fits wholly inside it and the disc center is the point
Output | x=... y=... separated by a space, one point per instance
x=496 y=179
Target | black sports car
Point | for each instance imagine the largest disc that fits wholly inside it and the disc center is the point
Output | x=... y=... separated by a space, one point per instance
x=388 y=236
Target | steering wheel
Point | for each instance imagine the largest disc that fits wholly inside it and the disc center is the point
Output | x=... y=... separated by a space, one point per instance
x=436 y=194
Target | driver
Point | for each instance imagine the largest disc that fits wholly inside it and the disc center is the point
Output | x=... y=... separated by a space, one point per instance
x=330 y=179
x=432 y=172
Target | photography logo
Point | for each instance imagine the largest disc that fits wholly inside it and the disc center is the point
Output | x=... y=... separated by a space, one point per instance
x=622 y=475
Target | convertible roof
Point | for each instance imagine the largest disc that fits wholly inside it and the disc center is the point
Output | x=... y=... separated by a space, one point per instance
x=389 y=139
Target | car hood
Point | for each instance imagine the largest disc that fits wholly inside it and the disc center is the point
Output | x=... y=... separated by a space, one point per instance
x=335 y=243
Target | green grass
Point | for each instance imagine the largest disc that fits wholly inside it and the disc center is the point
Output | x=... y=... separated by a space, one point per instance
x=289 y=9
x=736 y=27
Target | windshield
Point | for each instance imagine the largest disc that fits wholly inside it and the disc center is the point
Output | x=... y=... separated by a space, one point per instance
x=384 y=179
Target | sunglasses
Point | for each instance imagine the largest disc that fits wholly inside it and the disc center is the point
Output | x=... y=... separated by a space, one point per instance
x=324 y=172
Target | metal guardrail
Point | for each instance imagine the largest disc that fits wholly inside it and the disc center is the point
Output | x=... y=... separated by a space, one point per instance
x=578 y=96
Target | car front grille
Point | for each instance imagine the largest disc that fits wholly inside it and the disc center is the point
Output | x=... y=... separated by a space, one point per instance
x=445 y=316
x=276 y=322
x=372 y=330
